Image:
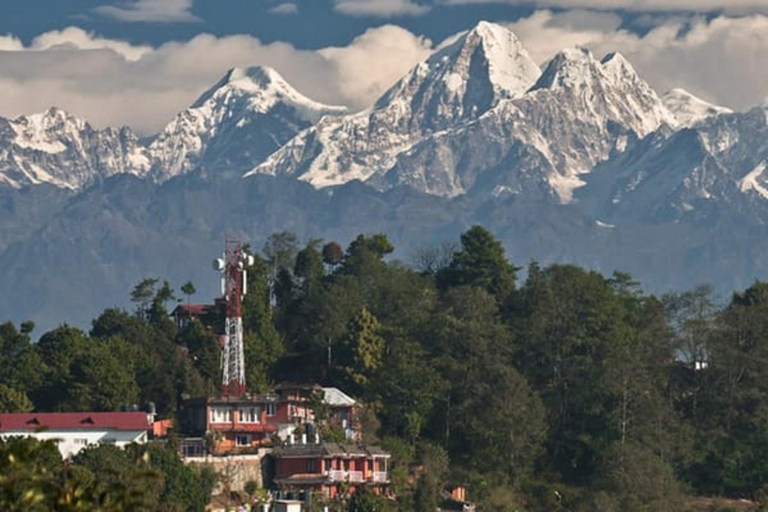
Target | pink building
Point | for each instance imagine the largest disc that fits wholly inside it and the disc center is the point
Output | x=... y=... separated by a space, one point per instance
x=330 y=469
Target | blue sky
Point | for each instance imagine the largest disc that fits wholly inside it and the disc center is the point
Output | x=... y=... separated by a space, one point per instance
x=138 y=62
x=305 y=24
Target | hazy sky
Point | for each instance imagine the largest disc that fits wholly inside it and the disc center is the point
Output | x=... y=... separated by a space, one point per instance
x=138 y=62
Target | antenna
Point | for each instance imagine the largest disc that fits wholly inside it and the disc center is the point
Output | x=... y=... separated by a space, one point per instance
x=233 y=286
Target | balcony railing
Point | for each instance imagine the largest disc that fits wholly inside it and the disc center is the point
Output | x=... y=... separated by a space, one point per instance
x=337 y=475
x=380 y=477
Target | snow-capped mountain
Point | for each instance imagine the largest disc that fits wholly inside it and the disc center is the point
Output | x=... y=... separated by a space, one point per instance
x=582 y=162
x=579 y=113
x=689 y=109
x=457 y=84
x=718 y=164
x=247 y=115
x=58 y=148
x=235 y=125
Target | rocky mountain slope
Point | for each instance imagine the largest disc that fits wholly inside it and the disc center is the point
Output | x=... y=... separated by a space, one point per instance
x=60 y=149
x=457 y=84
x=235 y=125
x=580 y=163
x=689 y=109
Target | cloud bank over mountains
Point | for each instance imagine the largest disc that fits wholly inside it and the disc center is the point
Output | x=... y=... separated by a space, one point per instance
x=150 y=11
x=112 y=82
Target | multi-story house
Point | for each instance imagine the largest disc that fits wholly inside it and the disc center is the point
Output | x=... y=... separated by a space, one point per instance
x=227 y=425
x=330 y=469
x=73 y=431
x=231 y=425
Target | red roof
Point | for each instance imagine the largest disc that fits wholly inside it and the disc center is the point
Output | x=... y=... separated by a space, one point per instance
x=192 y=309
x=75 y=420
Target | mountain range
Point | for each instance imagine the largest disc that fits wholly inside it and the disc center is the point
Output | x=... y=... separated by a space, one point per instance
x=579 y=162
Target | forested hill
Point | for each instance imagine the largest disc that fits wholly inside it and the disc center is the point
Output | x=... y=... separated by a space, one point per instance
x=567 y=391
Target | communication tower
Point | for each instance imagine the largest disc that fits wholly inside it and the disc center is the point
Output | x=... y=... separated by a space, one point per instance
x=233 y=287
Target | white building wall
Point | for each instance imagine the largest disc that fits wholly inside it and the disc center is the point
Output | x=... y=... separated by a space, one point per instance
x=72 y=441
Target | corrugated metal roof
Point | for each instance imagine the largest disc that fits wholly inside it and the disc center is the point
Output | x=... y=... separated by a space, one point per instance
x=336 y=397
x=328 y=450
x=75 y=420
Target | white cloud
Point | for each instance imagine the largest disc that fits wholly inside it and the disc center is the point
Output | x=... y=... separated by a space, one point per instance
x=380 y=8
x=731 y=6
x=111 y=82
x=383 y=54
x=10 y=43
x=724 y=60
x=79 y=39
x=157 y=11
x=286 y=8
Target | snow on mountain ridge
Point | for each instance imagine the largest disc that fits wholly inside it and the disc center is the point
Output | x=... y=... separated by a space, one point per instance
x=266 y=88
x=61 y=149
x=254 y=104
x=689 y=109
x=458 y=83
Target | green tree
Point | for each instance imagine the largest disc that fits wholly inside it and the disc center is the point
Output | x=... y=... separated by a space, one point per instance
x=493 y=421
x=142 y=295
x=204 y=352
x=20 y=364
x=333 y=254
x=188 y=289
x=309 y=266
x=638 y=480
x=365 y=255
x=434 y=465
x=733 y=402
x=12 y=400
x=263 y=344
x=363 y=348
x=480 y=262
x=365 y=500
x=566 y=319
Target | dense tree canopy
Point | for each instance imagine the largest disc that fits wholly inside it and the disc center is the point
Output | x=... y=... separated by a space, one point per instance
x=569 y=390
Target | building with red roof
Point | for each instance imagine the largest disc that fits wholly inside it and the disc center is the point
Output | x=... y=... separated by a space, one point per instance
x=73 y=431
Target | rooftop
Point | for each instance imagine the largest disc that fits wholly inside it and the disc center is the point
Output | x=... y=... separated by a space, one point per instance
x=337 y=398
x=75 y=421
x=329 y=450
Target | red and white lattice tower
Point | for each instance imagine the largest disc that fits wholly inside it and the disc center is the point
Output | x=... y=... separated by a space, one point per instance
x=233 y=287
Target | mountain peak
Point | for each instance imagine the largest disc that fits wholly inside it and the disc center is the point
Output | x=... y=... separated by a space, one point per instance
x=689 y=109
x=262 y=88
x=465 y=78
x=617 y=67
x=510 y=69
x=569 y=68
x=248 y=78
x=244 y=117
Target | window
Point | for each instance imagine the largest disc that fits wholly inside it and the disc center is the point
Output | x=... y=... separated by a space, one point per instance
x=311 y=466
x=248 y=415
x=80 y=441
x=271 y=408
x=221 y=415
x=243 y=440
x=193 y=450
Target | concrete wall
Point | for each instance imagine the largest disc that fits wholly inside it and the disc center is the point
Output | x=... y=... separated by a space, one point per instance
x=234 y=470
x=72 y=441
